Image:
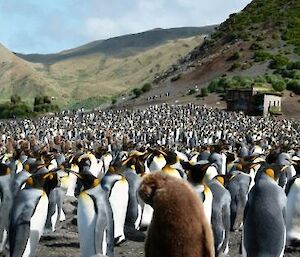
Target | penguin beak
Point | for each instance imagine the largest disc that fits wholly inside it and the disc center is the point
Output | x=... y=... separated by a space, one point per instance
x=76 y=174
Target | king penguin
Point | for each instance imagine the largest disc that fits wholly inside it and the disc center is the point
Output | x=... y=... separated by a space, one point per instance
x=238 y=185
x=118 y=191
x=220 y=217
x=293 y=211
x=196 y=176
x=5 y=203
x=94 y=218
x=29 y=214
x=264 y=231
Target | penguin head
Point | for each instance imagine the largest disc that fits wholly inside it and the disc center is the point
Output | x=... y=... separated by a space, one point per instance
x=195 y=172
x=4 y=169
x=35 y=166
x=47 y=181
x=274 y=171
x=224 y=180
x=171 y=157
x=88 y=180
x=82 y=163
x=136 y=161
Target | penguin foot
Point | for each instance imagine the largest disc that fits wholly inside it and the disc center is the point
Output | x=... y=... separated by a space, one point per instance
x=143 y=228
x=294 y=243
x=134 y=235
x=119 y=240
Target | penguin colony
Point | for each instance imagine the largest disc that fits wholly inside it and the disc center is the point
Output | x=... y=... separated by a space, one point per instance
x=188 y=175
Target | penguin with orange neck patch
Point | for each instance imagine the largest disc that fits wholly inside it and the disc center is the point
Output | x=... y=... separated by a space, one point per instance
x=131 y=166
x=170 y=168
x=238 y=186
x=292 y=191
x=264 y=231
x=196 y=176
x=5 y=203
x=220 y=217
x=29 y=212
x=94 y=218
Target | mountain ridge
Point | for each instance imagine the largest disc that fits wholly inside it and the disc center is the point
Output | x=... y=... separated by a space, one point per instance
x=120 y=46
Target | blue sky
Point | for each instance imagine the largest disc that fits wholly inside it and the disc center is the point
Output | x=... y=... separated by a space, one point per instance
x=48 y=26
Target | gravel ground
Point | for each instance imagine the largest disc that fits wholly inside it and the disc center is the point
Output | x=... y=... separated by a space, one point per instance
x=64 y=242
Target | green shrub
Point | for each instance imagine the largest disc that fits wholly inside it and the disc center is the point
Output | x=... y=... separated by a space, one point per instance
x=294 y=85
x=278 y=61
x=204 y=92
x=235 y=66
x=146 y=87
x=38 y=100
x=260 y=79
x=46 y=99
x=113 y=101
x=11 y=110
x=279 y=85
x=293 y=65
x=137 y=92
x=213 y=85
x=15 y=99
x=45 y=107
x=261 y=56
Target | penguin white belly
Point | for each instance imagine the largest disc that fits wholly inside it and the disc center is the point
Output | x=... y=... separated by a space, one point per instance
x=86 y=217
x=139 y=217
x=119 y=201
x=71 y=185
x=207 y=204
x=37 y=224
x=293 y=213
x=147 y=215
x=157 y=164
x=54 y=218
x=106 y=161
x=224 y=160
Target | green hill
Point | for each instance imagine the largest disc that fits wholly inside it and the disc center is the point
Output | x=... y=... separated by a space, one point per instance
x=98 y=70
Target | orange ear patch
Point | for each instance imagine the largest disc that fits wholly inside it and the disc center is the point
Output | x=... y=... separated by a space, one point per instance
x=221 y=180
x=8 y=170
x=29 y=181
x=239 y=167
x=270 y=173
x=96 y=182
x=26 y=167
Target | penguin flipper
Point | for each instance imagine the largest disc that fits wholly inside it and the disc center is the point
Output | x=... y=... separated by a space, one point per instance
x=226 y=224
x=104 y=223
x=19 y=231
x=16 y=239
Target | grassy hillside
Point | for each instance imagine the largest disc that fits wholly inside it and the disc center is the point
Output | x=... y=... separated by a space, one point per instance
x=19 y=77
x=96 y=72
x=102 y=75
x=263 y=38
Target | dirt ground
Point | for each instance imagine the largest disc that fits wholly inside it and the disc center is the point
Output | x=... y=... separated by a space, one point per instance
x=64 y=242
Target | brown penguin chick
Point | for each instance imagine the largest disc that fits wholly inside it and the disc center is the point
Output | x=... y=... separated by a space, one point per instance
x=179 y=227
